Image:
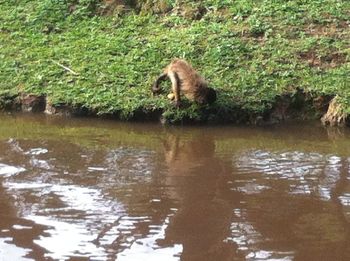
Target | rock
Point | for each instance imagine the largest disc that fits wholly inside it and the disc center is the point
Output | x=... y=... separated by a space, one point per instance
x=335 y=115
x=57 y=109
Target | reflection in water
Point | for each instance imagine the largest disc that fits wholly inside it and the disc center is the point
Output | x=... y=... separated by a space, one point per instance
x=148 y=248
x=141 y=192
x=74 y=217
x=273 y=178
x=197 y=181
x=10 y=251
x=7 y=170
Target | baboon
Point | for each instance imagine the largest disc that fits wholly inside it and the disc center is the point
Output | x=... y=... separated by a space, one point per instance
x=185 y=80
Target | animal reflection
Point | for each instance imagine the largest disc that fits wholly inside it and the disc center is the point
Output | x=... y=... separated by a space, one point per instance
x=198 y=181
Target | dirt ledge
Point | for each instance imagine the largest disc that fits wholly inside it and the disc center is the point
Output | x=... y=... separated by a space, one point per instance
x=295 y=106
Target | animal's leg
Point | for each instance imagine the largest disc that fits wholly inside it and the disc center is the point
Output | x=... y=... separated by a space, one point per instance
x=175 y=86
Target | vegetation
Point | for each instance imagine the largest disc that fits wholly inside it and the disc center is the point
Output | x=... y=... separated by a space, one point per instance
x=252 y=52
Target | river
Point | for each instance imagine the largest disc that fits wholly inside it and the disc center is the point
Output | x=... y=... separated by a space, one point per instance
x=91 y=189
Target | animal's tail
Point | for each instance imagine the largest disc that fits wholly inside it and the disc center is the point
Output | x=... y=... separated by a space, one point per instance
x=156 y=87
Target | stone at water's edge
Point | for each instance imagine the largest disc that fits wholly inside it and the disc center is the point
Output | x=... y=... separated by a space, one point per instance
x=335 y=115
x=56 y=109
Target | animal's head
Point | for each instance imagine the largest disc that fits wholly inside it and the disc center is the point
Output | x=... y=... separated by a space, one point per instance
x=211 y=96
x=207 y=95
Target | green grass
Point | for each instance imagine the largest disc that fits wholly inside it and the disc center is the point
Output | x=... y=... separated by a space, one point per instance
x=250 y=51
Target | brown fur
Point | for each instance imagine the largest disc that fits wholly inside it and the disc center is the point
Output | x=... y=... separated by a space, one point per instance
x=187 y=81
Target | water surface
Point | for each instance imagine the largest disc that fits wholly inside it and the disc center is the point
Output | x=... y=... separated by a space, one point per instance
x=87 y=189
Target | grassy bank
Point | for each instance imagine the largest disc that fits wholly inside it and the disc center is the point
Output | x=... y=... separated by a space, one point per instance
x=252 y=52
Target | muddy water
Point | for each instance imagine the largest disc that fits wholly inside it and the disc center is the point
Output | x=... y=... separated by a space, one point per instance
x=100 y=190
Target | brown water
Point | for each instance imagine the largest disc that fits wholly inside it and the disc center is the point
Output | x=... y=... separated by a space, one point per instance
x=102 y=190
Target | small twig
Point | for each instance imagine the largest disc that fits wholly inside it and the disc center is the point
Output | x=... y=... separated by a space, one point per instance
x=66 y=68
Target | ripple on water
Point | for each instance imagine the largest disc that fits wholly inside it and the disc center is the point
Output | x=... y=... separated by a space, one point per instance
x=89 y=224
x=148 y=249
x=9 y=251
x=305 y=173
x=292 y=172
x=36 y=151
x=8 y=170
x=74 y=225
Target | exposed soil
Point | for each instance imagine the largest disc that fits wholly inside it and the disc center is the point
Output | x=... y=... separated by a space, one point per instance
x=330 y=60
x=330 y=30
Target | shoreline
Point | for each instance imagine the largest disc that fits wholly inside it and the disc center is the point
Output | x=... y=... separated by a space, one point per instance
x=300 y=107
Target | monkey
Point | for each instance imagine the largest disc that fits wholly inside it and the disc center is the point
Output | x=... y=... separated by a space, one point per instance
x=185 y=80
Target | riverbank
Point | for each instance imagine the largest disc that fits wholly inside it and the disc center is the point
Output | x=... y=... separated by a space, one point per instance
x=269 y=61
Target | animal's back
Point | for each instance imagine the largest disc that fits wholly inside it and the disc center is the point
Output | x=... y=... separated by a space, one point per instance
x=189 y=78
